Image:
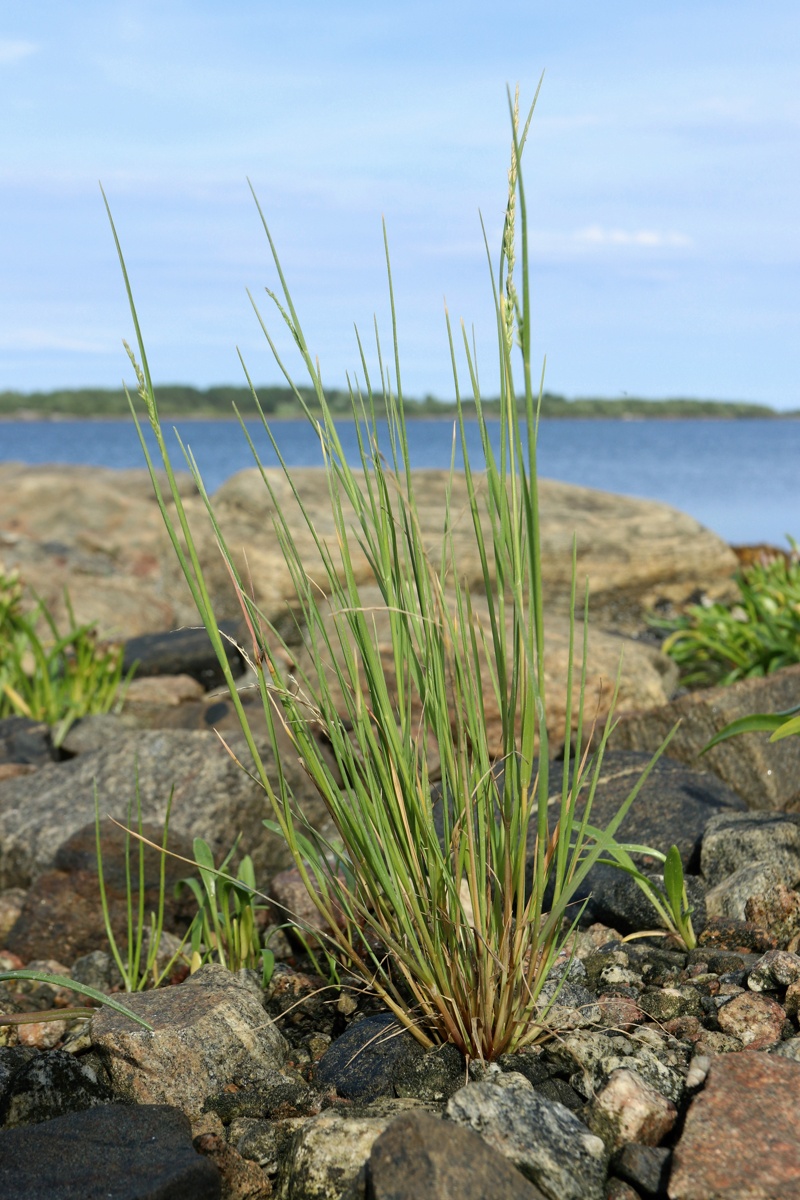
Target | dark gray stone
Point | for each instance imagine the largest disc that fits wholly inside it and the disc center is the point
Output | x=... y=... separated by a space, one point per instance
x=361 y=1064
x=422 y=1156
x=434 y=1075
x=139 y=1153
x=213 y=799
x=25 y=741
x=183 y=652
x=646 y=1168
x=49 y=1085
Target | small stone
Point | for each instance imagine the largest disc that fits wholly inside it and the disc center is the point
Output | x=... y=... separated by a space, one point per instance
x=619 y=1012
x=741 y=937
x=630 y=1110
x=644 y=1167
x=698 y=1070
x=775 y=969
x=241 y=1179
x=11 y=902
x=422 y=1156
x=544 y=1140
x=778 y=911
x=755 y=1019
x=42 y=1035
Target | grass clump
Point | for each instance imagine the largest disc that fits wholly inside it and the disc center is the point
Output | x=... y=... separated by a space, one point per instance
x=453 y=912
x=753 y=635
x=49 y=675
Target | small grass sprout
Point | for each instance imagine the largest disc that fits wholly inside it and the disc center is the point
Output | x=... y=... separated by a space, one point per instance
x=138 y=966
x=455 y=913
x=225 y=927
x=48 y=675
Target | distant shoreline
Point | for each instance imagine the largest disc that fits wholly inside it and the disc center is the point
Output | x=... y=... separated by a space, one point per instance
x=181 y=402
x=54 y=418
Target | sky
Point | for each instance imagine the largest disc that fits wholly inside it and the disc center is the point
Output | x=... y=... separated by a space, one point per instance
x=661 y=175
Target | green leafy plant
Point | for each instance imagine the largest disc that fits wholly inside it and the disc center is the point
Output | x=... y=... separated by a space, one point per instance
x=755 y=634
x=225 y=927
x=444 y=911
x=670 y=902
x=780 y=725
x=48 y=675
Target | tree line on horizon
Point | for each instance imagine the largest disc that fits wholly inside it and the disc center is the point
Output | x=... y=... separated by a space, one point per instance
x=182 y=400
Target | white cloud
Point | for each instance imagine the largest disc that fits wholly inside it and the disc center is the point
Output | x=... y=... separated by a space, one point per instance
x=12 y=50
x=595 y=235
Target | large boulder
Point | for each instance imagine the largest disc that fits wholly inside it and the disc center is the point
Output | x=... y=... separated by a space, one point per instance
x=765 y=774
x=100 y=532
x=213 y=798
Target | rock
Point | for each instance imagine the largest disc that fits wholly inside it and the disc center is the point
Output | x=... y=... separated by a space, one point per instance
x=755 y=1019
x=25 y=741
x=63 y=906
x=736 y=839
x=157 y=691
x=183 y=652
x=673 y=807
x=362 y=1062
x=778 y=911
x=49 y=1085
x=544 y=1140
x=646 y=1167
x=731 y=897
x=740 y=1135
x=775 y=969
x=591 y=1058
x=94 y=732
x=433 y=1076
x=102 y=534
x=765 y=774
x=421 y=1156
x=726 y=933
x=213 y=799
x=12 y=901
x=208 y=1032
x=630 y=1110
x=241 y=1180
x=131 y=1153
x=329 y=1151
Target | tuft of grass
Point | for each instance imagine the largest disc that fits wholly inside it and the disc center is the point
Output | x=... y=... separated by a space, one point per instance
x=755 y=634
x=453 y=913
x=49 y=675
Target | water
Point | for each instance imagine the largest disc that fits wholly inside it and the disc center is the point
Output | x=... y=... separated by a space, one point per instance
x=739 y=478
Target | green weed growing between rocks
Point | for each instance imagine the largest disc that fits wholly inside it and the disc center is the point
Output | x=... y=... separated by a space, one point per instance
x=48 y=675
x=454 y=911
x=756 y=634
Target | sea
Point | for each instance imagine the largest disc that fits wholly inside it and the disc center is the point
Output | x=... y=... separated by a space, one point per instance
x=740 y=478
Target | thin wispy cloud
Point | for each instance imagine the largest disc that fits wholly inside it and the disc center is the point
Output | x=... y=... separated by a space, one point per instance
x=13 y=50
x=646 y=239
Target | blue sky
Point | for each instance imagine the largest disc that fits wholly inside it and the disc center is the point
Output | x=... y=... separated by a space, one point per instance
x=662 y=176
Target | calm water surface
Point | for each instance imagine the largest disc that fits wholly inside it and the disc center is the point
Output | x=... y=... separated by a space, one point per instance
x=740 y=478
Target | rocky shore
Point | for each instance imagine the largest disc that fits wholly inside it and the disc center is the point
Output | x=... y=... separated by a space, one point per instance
x=669 y=1073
